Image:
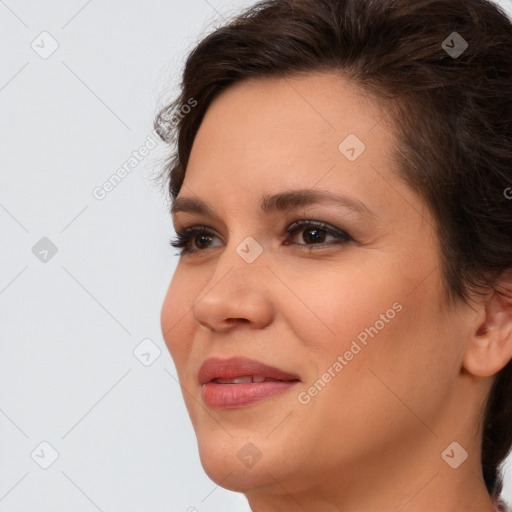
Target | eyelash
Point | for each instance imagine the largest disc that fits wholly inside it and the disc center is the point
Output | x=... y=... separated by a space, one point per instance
x=183 y=238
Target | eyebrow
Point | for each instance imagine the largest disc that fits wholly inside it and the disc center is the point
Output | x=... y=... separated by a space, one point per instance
x=283 y=201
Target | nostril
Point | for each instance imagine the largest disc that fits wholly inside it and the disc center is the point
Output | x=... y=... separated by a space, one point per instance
x=237 y=320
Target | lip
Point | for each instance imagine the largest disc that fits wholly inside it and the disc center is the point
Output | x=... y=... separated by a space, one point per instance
x=229 y=396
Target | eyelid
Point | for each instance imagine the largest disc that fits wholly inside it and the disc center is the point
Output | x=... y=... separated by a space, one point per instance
x=324 y=226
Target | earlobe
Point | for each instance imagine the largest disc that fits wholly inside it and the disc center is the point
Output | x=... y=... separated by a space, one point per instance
x=490 y=347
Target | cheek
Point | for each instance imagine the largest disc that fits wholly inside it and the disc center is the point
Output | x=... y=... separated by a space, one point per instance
x=331 y=308
x=379 y=328
x=175 y=317
x=405 y=360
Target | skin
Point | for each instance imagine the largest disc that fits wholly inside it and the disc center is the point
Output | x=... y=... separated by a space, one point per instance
x=372 y=439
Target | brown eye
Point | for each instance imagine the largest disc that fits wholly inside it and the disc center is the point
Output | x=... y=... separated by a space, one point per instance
x=197 y=236
x=315 y=233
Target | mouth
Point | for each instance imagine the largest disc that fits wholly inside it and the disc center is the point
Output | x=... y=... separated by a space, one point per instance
x=245 y=380
x=238 y=382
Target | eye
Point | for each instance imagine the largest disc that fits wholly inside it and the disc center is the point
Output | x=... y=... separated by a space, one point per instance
x=314 y=234
x=197 y=238
x=199 y=234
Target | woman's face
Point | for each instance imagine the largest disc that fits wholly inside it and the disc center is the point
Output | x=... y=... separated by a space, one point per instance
x=352 y=316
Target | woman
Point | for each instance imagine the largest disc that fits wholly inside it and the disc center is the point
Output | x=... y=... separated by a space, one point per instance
x=341 y=314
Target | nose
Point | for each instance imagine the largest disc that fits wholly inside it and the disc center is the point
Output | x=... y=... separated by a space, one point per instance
x=237 y=295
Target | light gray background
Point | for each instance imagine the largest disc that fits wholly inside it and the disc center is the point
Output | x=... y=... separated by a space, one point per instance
x=69 y=326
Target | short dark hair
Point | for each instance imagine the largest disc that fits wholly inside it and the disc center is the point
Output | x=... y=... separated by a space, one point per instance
x=453 y=115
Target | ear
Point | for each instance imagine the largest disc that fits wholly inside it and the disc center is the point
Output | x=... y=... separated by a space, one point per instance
x=490 y=347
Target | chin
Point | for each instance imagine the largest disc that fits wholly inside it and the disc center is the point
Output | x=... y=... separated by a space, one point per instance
x=236 y=465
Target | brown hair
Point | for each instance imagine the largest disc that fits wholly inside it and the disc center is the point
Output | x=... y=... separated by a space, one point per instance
x=453 y=114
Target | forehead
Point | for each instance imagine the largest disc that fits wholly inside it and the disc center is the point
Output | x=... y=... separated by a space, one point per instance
x=269 y=134
x=300 y=113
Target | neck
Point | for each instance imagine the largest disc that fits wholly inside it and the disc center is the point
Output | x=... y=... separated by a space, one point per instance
x=409 y=493
x=412 y=477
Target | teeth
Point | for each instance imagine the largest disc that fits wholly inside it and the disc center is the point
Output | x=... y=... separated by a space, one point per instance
x=238 y=380
x=241 y=380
